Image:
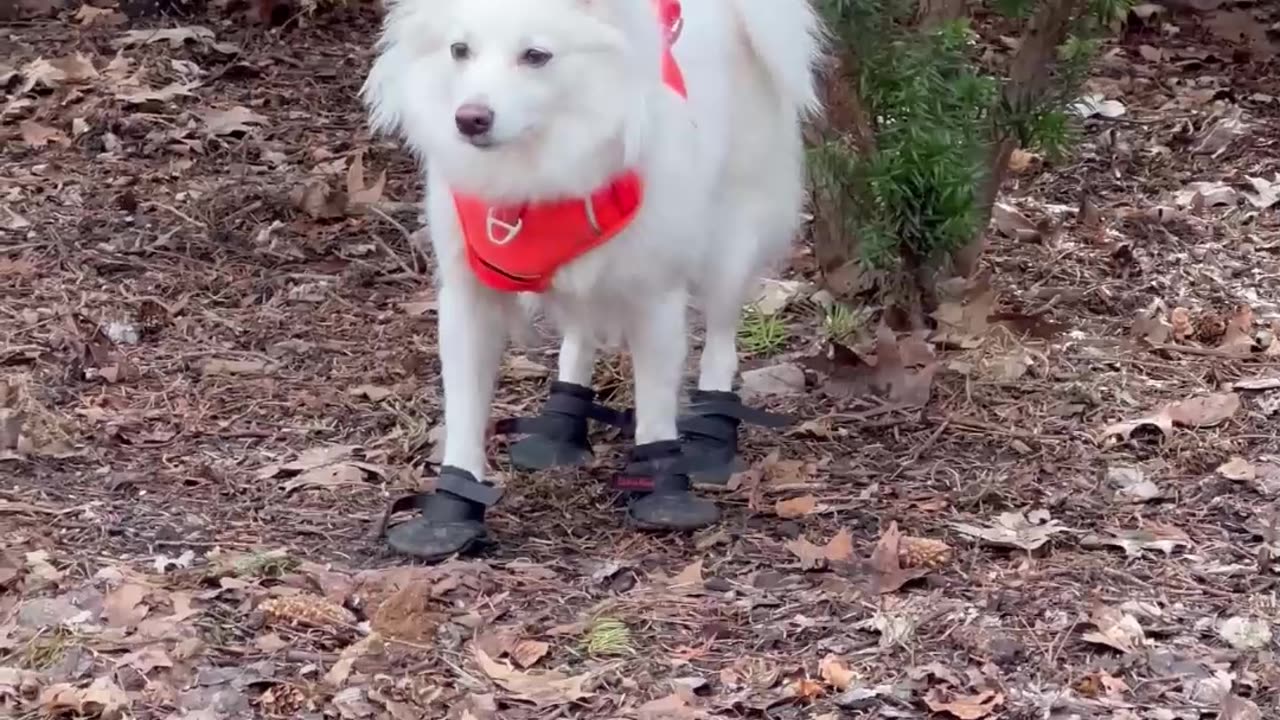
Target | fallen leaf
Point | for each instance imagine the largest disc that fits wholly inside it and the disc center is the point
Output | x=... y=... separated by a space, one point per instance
x=1235 y=707
x=138 y=96
x=786 y=379
x=836 y=673
x=218 y=366
x=839 y=549
x=543 y=689
x=796 y=507
x=357 y=191
x=147 y=659
x=887 y=573
x=689 y=577
x=1091 y=105
x=176 y=37
x=41 y=569
x=1200 y=412
x=1012 y=223
x=671 y=707
x=353 y=704
x=527 y=653
x=89 y=15
x=1237 y=468
x=270 y=643
x=52 y=73
x=1205 y=411
x=102 y=699
x=425 y=303
x=1021 y=161
x=1101 y=683
x=238 y=119
x=320 y=201
x=773 y=296
x=811 y=556
x=123 y=606
x=1154 y=537
x=964 y=707
x=1259 y=383
x=964 y=317
x=37 y=135
x=1238 y=338
x=371 y=392
x=328 y=476
x=520 y=367
x=1014 y=529
x=1246 y=633
x=1206 y=195
x=805 y=690
x=1132 y=483
x=369 y=645
x=1115 y=629
x=1221 y=134
x=1180 y=321
x=888 y=377
x=1265 y=192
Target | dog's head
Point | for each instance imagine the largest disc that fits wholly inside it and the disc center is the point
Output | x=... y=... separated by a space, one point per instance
x=518 y=99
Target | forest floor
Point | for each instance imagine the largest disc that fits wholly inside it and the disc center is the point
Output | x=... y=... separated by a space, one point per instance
x=218 y=365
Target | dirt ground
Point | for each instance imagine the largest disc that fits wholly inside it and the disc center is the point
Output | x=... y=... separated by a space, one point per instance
x=217 y=366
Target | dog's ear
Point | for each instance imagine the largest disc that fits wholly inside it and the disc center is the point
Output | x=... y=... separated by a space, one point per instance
x=409 y=32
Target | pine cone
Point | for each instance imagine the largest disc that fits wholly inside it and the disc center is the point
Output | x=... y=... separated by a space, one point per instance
x=914 y=552
x=309 y=610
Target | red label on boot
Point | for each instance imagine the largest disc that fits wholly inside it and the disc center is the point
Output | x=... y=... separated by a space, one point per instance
x=633 y=483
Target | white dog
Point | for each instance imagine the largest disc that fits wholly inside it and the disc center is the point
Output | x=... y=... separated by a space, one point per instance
x=621 y=159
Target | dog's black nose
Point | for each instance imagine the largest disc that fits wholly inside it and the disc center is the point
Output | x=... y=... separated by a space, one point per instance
x=474 y=119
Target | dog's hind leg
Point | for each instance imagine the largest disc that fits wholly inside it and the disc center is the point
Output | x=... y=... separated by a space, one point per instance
x=658 y=344
x=472 y=336
x=557 y=436
x=709 y=431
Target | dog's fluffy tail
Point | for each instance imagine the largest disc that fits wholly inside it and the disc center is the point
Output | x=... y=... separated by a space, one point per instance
x=787 y=36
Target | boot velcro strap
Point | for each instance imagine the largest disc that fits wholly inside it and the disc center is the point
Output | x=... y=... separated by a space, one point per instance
x=566 y=402
x=720 y=428
x=666 y=457
x=736 y=410
x=463 y=484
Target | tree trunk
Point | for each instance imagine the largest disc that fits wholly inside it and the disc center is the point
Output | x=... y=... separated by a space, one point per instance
x=1029 y=76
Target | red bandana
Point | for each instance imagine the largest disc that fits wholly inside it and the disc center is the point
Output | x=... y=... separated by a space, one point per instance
x=520 y=248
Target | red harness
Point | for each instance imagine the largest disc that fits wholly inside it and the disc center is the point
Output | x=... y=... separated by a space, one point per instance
x=520 y=248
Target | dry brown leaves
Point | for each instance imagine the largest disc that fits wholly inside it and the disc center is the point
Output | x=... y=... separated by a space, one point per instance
x=1015 y=529
x=839 y=549
x=964 y=707
x=1116 y=629
x=543 y=689
x=1199 y=412
x=887 y=571
x=901 y=370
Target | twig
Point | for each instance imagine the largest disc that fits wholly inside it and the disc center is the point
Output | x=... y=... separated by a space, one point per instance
x=1208 y=352
x=408 y=238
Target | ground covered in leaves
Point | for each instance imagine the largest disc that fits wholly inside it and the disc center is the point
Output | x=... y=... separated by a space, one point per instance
x=217 y=366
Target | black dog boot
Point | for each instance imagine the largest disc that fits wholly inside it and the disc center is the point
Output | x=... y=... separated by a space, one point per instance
x=449 y=521
x=659 y=473
x=558 y=435
x=709 y=432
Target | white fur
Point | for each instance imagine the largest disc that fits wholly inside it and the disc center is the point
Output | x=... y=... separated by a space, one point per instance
x=723 y=172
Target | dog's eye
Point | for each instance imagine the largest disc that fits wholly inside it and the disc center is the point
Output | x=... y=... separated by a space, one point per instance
x=534 y=57
x=460 y=51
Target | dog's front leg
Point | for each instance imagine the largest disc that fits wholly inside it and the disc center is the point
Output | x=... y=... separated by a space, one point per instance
x=472 y=332
x=657 y=338
x=472 y=335
x=558 y=435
